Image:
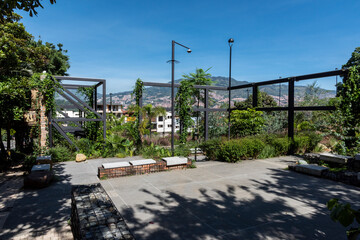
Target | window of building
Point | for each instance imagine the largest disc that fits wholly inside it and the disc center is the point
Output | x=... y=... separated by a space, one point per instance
x=161 y=118
x=160 y=126
x=169 y=125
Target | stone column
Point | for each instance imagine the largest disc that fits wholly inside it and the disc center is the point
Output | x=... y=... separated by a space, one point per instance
x=38 y=102
x=43 y=119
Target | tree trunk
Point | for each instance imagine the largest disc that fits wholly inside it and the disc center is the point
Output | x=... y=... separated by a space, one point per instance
x=150 y=127
x=8 y=137
x=2 y=148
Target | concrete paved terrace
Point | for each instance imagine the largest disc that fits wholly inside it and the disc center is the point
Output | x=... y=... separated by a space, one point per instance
x=255 y=199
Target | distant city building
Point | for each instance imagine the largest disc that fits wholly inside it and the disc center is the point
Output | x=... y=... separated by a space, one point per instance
x=114 y=108
x=162 y=124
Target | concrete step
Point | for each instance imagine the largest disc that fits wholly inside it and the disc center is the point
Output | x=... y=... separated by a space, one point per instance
x=329 y=157
x=310 y=169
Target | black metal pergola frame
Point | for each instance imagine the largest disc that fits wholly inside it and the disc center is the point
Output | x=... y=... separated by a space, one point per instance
x=291 y=108
x=76 y=102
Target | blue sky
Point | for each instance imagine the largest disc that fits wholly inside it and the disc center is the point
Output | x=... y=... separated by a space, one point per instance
x=121 y=41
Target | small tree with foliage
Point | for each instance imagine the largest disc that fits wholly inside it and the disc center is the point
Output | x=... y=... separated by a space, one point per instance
x=264 y=100
x=150 y=112
x=200 y=77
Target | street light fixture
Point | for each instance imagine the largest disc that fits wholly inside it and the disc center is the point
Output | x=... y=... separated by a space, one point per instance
x=231 y=42
x=173 y=92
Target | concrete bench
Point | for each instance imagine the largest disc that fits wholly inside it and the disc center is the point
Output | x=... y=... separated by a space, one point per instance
x=40 y=167
x=328 y=157
x=173 y=161
x=115 y=165
x=142 y=162
x=310 y=169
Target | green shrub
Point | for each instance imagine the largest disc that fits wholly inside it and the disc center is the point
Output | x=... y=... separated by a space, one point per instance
x=29 y=162
x=154 y=151
x=306 y=142
x=268 y=152
x=281 y=146
x=211 y=148
x=61 y=154
x=239 y=149
x=246 y=122
x=182 y=150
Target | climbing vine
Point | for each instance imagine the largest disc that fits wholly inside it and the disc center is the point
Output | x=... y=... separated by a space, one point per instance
x=45 y=85
x=138 y=92
x=349 y=93
x=92 y=129
x=183 y=107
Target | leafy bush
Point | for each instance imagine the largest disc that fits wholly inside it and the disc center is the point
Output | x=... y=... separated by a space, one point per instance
x=239 y=149
x=268 y=152
x=281 y=145
x=60 y=154
x=182 y=150
x=346 y=216
x=306 y=142
x=246 y=122
x=154 y=151
x=29 y=162
x=305 y=126
x=211 y=148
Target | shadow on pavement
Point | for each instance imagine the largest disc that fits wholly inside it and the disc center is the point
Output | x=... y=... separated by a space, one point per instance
x=288 y=206
x=38 y=211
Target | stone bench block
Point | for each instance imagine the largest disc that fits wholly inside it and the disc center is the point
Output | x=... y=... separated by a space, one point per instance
x=44 y=160
x=40 y=167
x=115 y=165
x=142 y=162
x=198 y=158
x=198 y=150
x=173 y=161
x=314 y=170
x=328 y=157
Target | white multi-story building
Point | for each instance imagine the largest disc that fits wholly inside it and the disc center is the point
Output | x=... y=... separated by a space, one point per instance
x=162 y=124
x=114 y=108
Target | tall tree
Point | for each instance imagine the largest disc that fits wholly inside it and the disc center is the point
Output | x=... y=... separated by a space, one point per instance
x=20 y=57
x=7 y=7
x=200 y=77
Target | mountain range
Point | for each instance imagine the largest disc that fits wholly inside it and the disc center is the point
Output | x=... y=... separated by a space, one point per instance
x=161 y=96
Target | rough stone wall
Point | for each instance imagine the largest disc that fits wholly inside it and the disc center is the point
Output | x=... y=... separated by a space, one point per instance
x=37 y=102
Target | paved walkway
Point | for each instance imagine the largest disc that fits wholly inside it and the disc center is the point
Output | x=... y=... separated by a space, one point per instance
x=249 y=200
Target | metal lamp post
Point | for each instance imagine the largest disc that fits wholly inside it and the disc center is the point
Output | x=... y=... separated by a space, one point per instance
x=231 y=42
x=111 y=102
x=173 y=91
